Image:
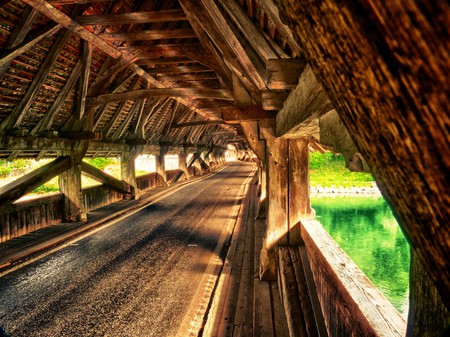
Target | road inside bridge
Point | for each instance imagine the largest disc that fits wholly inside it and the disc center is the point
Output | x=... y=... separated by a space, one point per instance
x=134 y=278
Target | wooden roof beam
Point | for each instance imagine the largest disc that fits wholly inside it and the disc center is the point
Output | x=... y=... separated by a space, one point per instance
x=253 y=35
x=164 y=60
x=19 y=33
x=132 y=18
x=162 y=92
x=252 y=113
x=149 y=35
x=56 y=15
x=308 y=100
x=272 y=12
x=208 y=16
x=178 y=70
x=196 y=123
x=11 y=54
x=284 y=73
x=46 y=122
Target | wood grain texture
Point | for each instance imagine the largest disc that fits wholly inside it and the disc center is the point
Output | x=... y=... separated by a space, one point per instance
x=385 y=66
x=351 y=304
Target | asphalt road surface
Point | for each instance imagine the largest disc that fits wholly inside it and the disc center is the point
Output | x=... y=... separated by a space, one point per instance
x=134 y=278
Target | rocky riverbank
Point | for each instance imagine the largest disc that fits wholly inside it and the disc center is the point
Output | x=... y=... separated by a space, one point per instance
x=353 y=190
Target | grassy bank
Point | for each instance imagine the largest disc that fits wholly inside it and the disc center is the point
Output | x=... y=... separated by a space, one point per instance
x=328 y=169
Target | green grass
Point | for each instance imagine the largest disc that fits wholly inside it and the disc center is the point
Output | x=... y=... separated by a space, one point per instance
x=328 y=169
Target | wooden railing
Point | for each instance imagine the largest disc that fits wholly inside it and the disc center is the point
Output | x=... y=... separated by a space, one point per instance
x=26 y=216
x=351 y=304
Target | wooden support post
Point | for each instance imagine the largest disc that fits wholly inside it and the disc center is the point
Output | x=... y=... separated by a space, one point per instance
x=128 y=172
x=277 y=222
x=183 y=164
x=298 y=187
x=428 y=315
x=287 y=165
x=70 y=187
x=161 y=165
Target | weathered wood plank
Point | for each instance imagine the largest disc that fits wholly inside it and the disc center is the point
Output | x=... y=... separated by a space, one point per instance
x=299 y=189
x=351 y=304
x=277 y=220
x=15 y=117
x=307 y=100
x=251 y=133
x=253 y=35
x=251 y=113
x=19 y=33
x=162 y=92
x=245 y=55
x=56 y=15
x=305 y=296
x=11 y=54
x=106 y=179
x=25 y=184
x=289 y=290
x=179 y=70
x=84 y=79
x=312 y=290
x=189 y=77
x=163 y=60
x=46 y=122
x=274 y=100
x=284 y=73
x=388 y=71
x=272 y=12
x=150 y=35
x=132 y=18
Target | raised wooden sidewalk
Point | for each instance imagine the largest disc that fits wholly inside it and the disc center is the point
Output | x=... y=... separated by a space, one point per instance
x=243 y=305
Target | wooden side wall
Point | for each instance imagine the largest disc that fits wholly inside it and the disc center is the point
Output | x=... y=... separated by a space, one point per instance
x=24 y=217
x=351 y=304
x=99 y=196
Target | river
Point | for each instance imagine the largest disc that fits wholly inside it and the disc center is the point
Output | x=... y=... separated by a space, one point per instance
x=365 y=228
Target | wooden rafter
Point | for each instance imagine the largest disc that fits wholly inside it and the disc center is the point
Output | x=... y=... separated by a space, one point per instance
x=137 y=107
x=84 y=79
x=252 y=34
x=64 y=20
x=15 y=118
x=149 y=35
x=46 y=122
x=196 y=123
x=178 y=70
x=18 y=49
x=162 y=92
x=132 y=18
x=271 y=10
x=19 y=33
x=119 y=110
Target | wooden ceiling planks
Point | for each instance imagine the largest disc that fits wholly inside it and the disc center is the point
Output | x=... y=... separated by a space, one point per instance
x=157 y=35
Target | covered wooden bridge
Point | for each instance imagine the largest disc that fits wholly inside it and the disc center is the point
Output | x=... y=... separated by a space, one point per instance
x=274 y=79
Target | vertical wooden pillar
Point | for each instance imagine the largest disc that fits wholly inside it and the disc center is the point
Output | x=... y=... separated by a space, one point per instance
x=70 y=187
x=182 y=163
x=428 y=316
x=277 y=224
x=298 y=187
x=161 y=165
x=287 y=165
x=128 y=172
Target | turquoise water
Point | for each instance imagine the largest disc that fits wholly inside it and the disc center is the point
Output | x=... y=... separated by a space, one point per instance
x=366 y=230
